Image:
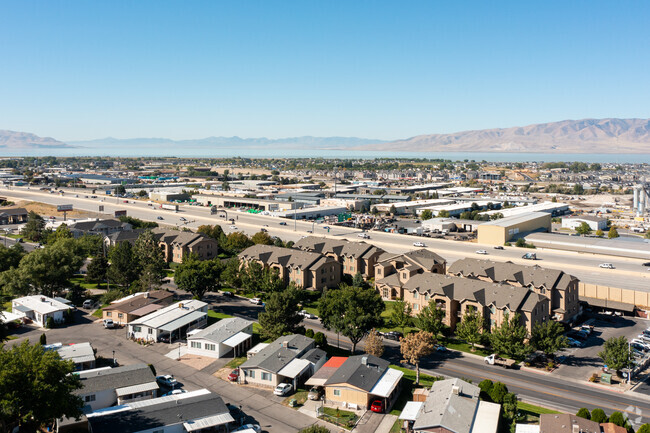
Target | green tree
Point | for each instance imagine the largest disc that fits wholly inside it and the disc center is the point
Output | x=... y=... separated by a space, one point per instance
x=583 y=229
x=549 y=337
x=231 y=274
x=61 y=232
x=430 y=319
x=97 y=269
x=123 y=269
x=498 y=392
x=615 y=354
x=198 y=276
x=36 y=387
x=351 y=311
x=426 y=215
x=271 y=281
x=11 y=257
x=485 y=386
x=509 y=407
x=617 y=418
x=600 y=233
x=584 y=413
x=645 y=428
x=578 y=189
x=392 y=209
x=280 y=316
x=214 y=232
x=143 y=193
x=612 y=233
x=34 y=227
x=236 y=242
x=470 y=327
x=43 y=340
x=358 y=280
x=321 y=340
x=150 y=259
x=137 y=223
x=262 y=238
x=521 y=243
x=509 y=338
x=598 y=415
x=252 y=276
x=443 y=214
x=400 y=314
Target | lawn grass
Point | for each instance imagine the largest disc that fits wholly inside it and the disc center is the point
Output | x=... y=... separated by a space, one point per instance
x=81 y=281
x=461 y=346
x=169 y=273
x=529 y=414
x=236 y=362
x=340 y=417
x=397 y=426
x=6 y=306
x=99 y=313
x=301 y=397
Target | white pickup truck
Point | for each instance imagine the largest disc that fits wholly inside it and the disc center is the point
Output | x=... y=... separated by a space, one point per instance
x=495 y=359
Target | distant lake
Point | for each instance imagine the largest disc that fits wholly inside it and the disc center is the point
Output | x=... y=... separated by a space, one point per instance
x=263 y=152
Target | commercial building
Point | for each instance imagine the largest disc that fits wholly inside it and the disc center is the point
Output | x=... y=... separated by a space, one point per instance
x=172 y=322
x=231 y=335
x=290 y=358
x=593 y=222
x=554 y=209
x=393 y=270
x=408 y=207
x=243 y=202
x=361 y=380
x=457 y=296
x=134 y=307
x=195 y=411
x=312 y=213
x=39 y=308
x=13 y=216
x=452 y=405
x=105 y=387
x=354 y=257
x=503 y=230
x=306 y=269
x=559 y=287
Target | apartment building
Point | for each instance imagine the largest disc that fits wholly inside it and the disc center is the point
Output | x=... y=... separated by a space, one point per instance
x=559 y=287
x=308 y=270
x=354 y=257
x=177 y=244
x=393 y=270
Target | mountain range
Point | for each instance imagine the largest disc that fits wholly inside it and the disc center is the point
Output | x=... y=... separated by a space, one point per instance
x=567 y=136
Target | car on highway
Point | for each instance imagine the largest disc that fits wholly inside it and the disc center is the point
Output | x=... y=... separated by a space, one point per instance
x=309 y=231
x=109 y=324
x=166 y=380
x=315 y=393
x=283 y=223
x=326 y=227
x=247 y=427
x=256 y=301
x=233 y=227
x=234 y=375
x=307 y=315
x=419 y=244
x=646 y=264
x=159 y=217
x=364 y=235
x=498 y=247
x=263 y=230
x=481 y=252
x=182 y=219
x=283 y=389
x=606 y=266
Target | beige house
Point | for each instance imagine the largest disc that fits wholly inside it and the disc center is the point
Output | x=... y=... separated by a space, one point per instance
x=308 y=270
x=393 y=270
x=559 y=287
x=354 y=257
x=177 y=244
x=361 y=380
x=134 y=307
x=457 y=296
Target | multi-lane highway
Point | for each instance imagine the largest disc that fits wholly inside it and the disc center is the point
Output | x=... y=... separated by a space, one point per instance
x=628 y=273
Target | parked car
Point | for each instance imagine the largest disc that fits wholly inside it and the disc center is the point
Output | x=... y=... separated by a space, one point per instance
x=228 y=294
x=606 y=266
x=575 y=343
x=419 y=244
x=481 y=252
x=283 y=389
x=255 y=427
x=377 y=406
x=326 y=227
x=639 y=347
x=307 y=315
x=233 y=376
x=393 y=335
x=642 y=343
x=88 y=303
x=166 y=380
x=256 y=301
x=315 y=393
x=577 y=335
x=108 y=323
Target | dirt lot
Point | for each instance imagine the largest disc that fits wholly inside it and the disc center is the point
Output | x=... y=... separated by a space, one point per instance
x=49 y=210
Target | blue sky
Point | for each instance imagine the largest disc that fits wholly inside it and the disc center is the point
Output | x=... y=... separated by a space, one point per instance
x=377 y=69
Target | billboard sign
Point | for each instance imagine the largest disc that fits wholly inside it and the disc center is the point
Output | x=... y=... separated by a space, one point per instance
x=64 y=207
x=119 y=213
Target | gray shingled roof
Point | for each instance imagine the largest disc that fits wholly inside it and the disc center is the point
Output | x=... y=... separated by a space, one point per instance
x=274 y=357
x=421 y=258
x=458 y=288
x=446 y=409
x=177 y=237
x=287 y=257
x=159 y=415
x=341 y=248
x=359 y=374
x=222 y=330
x=508 y=271
x=117 y=377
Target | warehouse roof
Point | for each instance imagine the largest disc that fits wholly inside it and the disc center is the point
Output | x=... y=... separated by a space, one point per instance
x=517 y=219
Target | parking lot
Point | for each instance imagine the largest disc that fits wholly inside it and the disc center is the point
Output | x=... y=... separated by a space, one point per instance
x=582 y=362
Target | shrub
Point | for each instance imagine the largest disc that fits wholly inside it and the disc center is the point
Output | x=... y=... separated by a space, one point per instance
x=315 y=429
x=618 y=419
x=49 y=323
x=321 y=340
x=584 y=413
x=645 y=428
x=598 y=415
x=498 y=391
x=43 y=340
x=309 y=333
x=486 y=387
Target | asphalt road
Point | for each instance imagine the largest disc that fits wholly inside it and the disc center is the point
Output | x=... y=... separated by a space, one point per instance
x=628 y=273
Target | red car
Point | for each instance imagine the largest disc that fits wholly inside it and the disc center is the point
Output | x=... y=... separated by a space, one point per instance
x=233 y=376
x=377 y=406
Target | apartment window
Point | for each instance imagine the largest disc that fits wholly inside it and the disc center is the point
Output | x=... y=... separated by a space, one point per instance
x=298 y=271
x=323 y=280
x=267 y=376
x=210 y=347
x=196 y=344
x=416 y=307
x=493 y=310
x=89 y=398
x=337 y=392
x=385 y=292
x=416 y=295
x=426 y=296
x=109 y=314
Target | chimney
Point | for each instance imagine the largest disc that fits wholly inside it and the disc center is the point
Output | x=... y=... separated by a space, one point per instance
x=364 y=360
x=146 y=295
x=42 y=299
x=180 y=305
x=285 y=344
x=455 y=390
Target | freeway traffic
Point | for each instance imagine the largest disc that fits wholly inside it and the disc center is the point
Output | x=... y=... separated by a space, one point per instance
x=627 y=273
